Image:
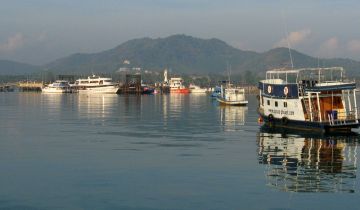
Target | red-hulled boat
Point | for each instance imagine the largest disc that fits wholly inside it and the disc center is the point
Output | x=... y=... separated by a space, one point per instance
x=176 y=86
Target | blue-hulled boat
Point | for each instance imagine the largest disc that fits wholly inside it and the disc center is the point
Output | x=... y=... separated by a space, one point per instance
x=309 y=99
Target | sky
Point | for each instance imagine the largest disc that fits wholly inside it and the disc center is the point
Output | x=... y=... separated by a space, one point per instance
x=40 y=31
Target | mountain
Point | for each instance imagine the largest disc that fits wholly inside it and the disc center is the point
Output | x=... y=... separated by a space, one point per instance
x=182 y=54
x=16 y=68
x=280 y=57
x=186 y=54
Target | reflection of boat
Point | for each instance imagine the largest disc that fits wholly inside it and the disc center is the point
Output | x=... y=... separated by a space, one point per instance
x=308 y=164
x=232 y=96
x=59 y=86
x=309 y=99
x=96 y=84
x=232 y=117
x=197 y=89
x=94 y=106
x=176 y=86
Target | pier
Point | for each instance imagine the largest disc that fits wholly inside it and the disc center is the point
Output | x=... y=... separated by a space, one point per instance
x=30 y=86
x=7 y=87
x=132 y=85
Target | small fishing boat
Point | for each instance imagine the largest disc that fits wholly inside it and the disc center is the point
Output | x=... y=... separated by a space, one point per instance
x=176 y=85
x=59 y=86
x=230 y=95
x=216 y=92
x=197 y=89
x=147 y=90
x=318 y=99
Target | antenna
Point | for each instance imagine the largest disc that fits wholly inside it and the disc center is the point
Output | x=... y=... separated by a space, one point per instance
x=288 y=42
x=229 y=71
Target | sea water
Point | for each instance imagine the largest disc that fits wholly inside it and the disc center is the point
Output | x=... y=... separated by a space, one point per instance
x=78 y=151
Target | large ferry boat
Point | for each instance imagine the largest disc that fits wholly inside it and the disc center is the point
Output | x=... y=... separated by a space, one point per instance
x=96 y=84
x=318 y=99
x=176 y=85
x=59 y=86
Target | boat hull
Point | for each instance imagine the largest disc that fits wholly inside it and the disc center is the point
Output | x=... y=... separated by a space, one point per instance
x=182 y=90
x=232 y=103
x=56 y=90
x=322 y=127
x=199 y=91
x=100 y=90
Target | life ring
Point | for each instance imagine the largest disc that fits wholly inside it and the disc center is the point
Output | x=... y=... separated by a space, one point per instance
x=286 y=90
x=284 y=120
x=269 y=89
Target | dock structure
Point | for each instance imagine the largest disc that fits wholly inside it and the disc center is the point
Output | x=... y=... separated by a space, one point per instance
x=7 y=87
x=132 y=84
x=30 y=86
x=250 y=89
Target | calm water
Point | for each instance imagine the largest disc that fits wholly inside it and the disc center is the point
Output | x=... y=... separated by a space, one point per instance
x=164 y=152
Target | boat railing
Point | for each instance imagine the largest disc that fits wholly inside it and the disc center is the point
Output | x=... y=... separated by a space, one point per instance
x=342 y=117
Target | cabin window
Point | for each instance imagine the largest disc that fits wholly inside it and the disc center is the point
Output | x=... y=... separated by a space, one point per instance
x=268 y=102
x=276 y=104
x=285 y=104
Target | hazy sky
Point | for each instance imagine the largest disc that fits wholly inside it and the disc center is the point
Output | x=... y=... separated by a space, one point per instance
x=39 y=31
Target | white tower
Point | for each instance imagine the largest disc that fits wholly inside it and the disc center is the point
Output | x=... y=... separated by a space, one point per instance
x=166 y=76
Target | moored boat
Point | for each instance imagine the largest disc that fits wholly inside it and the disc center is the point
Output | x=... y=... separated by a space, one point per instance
x=176 y=85
x=230 y=95
x=197 y=89
x=59 y=86
x=216 y=92
x=309 y=99
x=96 y=84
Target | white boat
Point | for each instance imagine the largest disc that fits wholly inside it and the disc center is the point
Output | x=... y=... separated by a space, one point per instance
x=232 y=96
x=96 y=84
x=59 y=86
x=318 y=99
x=197 y=89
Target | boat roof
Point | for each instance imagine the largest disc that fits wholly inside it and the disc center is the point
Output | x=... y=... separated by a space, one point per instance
x=95 y=78
x=282 y=75
x=175 y=78
x=296 y=71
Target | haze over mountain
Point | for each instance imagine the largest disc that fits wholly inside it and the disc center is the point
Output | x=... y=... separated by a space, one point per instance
x=16 y=68
x=184 y=54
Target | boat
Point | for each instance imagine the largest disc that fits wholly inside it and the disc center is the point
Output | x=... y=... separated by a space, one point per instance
x=59 y=86
x=216 y=92
x=319 y=99
x=176 y=85
x=145 y=89
x=230 y=95
x=197 y=89
x=96 y=84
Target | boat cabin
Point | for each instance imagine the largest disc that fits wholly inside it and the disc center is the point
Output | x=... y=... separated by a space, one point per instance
x=321 y=95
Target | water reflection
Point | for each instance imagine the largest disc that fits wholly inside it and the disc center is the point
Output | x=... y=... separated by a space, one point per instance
x=96 y=105
x=232 y=117
x=299 y=163
x=176 y=104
